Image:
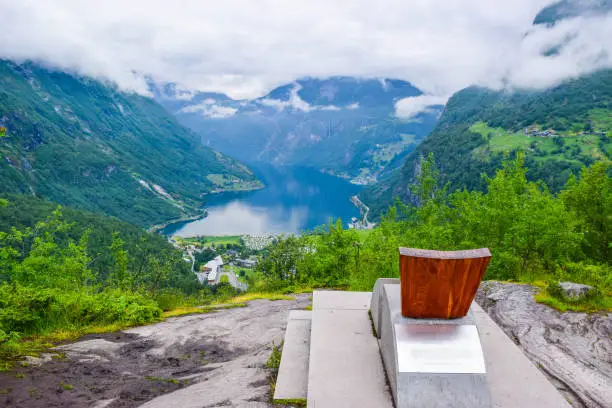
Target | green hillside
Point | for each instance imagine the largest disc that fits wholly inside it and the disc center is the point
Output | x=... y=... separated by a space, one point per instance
x=83 y=143
x=560 y=130
x=66 y=272
x=144 y=249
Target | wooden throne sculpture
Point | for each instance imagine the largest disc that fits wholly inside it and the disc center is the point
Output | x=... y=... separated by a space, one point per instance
x=440 y=284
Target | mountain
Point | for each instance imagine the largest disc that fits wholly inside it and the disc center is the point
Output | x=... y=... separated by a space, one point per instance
x=340 y=125
x=560 y=130
x=571 y=8
x=80 y=142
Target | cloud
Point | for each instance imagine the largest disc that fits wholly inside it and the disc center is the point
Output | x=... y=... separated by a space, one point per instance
x=210 y=110
x=410 y=107
x=294 y=101
x=299 y=104
x=583 y=45
x=245 y=48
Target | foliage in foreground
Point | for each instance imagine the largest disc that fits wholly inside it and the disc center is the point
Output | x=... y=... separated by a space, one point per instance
x=532 y=233
x=53 y=288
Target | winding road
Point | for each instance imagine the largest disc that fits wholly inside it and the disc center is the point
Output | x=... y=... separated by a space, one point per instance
x=233 y=280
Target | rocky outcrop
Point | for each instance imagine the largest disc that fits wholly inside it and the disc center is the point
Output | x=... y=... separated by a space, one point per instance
x=201 y=360
x=575 y=290
x=573 y=349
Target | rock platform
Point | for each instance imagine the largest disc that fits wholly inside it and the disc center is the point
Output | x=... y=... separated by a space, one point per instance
x=345 y=366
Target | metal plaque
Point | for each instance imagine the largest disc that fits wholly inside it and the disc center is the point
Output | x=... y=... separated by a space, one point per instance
x=439 y=348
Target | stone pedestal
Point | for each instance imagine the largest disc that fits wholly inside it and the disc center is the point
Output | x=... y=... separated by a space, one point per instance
x=429 y=362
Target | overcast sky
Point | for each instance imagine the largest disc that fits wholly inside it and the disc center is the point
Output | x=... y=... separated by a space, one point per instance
x=246 y=47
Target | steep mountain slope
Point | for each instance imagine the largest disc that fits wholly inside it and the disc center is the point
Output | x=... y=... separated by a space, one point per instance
x=343 y=126
x=560 y=130
x=80 y=142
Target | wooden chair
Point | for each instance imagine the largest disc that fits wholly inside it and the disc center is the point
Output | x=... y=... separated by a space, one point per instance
x=440 y=284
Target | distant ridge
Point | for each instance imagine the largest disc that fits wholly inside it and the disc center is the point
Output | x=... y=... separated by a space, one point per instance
x=340 y=125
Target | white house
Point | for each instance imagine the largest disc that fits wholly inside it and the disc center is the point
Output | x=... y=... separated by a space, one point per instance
x=213 y=268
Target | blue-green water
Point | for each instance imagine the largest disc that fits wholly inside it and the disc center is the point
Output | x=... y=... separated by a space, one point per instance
x=294 y=199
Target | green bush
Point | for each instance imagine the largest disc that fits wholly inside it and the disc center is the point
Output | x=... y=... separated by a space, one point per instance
x=598 y=276
x=592 y=301
x=115 y=306
x=171 y=299
x=24 y=309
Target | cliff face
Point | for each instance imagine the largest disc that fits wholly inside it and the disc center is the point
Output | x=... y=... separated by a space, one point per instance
x=573 y=349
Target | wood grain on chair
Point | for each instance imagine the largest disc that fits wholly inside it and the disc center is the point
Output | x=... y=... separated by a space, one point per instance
x=440 y=284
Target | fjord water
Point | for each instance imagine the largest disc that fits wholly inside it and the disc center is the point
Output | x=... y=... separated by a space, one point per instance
x=294 y=199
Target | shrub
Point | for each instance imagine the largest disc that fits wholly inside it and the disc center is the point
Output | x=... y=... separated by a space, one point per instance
x=171 y=299
x=24 y=309
x=555 y=297
x=275 y=357
x=115 y=306
x=599 y=276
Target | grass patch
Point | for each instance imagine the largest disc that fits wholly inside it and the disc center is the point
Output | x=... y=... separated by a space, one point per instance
x=232 y=183
x=183 y=311
x=595 y=300
x=601 y=120
x=595 y=304
x=568 y=146
x=307 y=289
x=166 y=380
x=275 y=357
x=549 y=295
x=208 y=241
x=34 y=345
x=387 y=152
x=296 y=402
x=500 y=139
x=273 y=364
x=66 y=387
x=247 y=297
